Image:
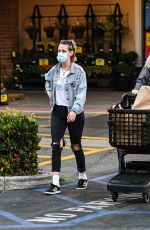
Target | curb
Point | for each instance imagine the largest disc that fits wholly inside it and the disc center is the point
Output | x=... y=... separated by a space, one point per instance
x=23 y=182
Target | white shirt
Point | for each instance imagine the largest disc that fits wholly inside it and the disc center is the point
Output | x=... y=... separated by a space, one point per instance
x=61 y=97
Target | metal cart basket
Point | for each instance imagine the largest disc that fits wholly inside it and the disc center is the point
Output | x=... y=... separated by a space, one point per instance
x=129 y=132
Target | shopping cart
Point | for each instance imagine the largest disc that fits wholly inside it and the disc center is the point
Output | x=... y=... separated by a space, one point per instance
x=129 y=132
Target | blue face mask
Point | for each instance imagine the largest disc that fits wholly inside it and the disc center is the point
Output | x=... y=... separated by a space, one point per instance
x=62 y=57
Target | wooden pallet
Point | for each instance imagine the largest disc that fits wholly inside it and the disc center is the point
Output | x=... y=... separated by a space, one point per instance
x=16 y=96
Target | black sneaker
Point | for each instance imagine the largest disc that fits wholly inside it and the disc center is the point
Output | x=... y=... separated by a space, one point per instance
x=53 y=189
x=82 y=184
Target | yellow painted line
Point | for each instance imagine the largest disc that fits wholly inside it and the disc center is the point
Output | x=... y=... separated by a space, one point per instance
x=44 y=135
x=67 y=147
x=87 y=153
x=44 y=163
x=46 y=146
x=83 y=137
x=43 y=126
x=44 y=156
x=72 y=155
x=99 y=150
x=45 y=117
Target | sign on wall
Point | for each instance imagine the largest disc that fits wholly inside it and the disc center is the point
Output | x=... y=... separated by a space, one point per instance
x=147 y=44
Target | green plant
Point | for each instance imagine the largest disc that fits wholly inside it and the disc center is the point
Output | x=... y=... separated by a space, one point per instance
x=119 y=27
x=126 y=63
x=131 y=57
x=78 y=30
x=35 y=69
x=32 y=32
x=99 y=29
x=110 y=28
x=18 y=144
x=63 y=29
x=123 y=69
x=103 y=70
x=49 y=30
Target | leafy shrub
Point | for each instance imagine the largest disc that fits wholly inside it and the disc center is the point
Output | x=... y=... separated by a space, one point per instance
x=35 y=70
x=126 y=64
x=131 y=57
x=18 y=144
x=123 y=69
x=98 y=70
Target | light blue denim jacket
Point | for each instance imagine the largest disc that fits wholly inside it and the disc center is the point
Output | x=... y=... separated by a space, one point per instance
x=76 y=86
x=144 y=77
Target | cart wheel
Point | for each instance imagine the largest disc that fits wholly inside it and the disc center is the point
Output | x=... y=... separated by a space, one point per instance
x=146 y=197
x=115 y=196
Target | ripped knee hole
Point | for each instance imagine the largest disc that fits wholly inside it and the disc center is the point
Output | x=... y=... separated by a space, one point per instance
x=61 y=143
x=76 y=147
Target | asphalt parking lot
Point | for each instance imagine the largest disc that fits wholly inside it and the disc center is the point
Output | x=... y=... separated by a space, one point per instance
x=73 y=209
x=89 y=209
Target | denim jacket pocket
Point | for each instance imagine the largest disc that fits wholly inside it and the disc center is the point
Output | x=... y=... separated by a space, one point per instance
x=74 y=84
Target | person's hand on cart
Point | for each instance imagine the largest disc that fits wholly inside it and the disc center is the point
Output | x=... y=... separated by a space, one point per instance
x=134 y=91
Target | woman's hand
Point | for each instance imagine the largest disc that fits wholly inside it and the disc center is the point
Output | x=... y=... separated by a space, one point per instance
x=49 y=94
x=134 y=91
x=71 y=117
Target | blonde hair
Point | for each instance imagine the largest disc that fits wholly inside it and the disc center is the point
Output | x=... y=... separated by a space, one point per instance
x=72 y=47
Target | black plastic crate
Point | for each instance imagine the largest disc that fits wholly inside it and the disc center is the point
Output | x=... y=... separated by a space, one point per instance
x=129 y=129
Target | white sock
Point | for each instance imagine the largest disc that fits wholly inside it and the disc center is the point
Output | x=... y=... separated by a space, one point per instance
x=82 y=176
x=56 y=180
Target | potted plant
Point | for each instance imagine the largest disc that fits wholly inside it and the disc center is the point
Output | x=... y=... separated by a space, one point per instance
x=119 y=27
x=110 y=29
x=99 y=29
x=32 y=31
x=49 y=30
x=131 y=57
x=29 y=75
x=100 y=74
x=125 y=70
x=124 y=75
x=64 y=29
x=78 y=30
x=104 y=70
x=122 y=68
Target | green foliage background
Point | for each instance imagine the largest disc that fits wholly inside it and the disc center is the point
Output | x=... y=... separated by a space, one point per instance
x=18 y=144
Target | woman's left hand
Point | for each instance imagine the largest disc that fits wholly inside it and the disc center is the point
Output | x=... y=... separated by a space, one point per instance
x=71 y=117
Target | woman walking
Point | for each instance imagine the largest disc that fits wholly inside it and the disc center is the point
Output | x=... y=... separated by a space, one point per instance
x=66 y=87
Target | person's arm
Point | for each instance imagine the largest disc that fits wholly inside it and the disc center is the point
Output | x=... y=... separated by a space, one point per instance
x=48 y=88
x=48 y=85
x=143 y=78
x=80 y=96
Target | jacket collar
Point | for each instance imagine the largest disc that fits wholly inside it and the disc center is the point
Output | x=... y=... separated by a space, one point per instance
x=72 y=70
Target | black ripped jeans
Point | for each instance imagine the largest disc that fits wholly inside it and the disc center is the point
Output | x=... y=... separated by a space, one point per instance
x=58 y=127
